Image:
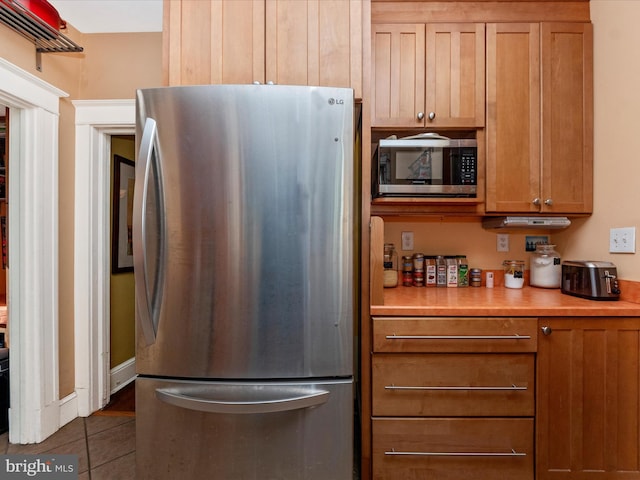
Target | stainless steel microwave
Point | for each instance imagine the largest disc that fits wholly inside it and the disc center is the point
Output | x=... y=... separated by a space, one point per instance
x=427 y=164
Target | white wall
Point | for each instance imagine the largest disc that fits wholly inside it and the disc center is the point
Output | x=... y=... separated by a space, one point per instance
x=617 y=137
x=616 y=162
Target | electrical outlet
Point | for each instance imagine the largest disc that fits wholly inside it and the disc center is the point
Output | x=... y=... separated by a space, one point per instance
x=503 y=242
x=622 y=240
x=407 y=240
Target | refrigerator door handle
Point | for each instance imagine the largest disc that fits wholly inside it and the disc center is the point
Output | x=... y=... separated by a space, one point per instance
x=148 y=297
x=262 y=400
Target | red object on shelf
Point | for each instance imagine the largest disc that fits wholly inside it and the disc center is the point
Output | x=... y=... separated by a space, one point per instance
x=44 y=11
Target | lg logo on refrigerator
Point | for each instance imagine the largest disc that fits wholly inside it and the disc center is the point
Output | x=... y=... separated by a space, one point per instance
x=336 y=101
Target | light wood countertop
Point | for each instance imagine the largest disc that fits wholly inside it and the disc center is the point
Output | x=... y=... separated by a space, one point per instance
x=498 y=301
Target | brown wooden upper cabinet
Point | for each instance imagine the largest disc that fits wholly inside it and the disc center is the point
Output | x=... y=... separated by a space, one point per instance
x=539 y=118
x=295 y=42
x=429 y=76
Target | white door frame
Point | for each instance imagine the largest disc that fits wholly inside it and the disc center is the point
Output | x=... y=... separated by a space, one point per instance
x=32 y=296
x=96 y=121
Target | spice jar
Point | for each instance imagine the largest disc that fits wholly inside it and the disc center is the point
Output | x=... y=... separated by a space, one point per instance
x=407 y=270
x=430 y=271
x=546 y=268
x=513 y=273
x=390 y=261
x=418 y=269
x=452 y=271
x=441 y=271
x=476 y=277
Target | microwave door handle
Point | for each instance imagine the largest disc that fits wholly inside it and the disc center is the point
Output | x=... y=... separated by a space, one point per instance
x=147 y=299
x=427 y=135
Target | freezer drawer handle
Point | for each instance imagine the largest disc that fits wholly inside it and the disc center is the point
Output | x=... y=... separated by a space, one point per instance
x=296 y=400
x=512 y=453
x=462 y=388
x=458 y=337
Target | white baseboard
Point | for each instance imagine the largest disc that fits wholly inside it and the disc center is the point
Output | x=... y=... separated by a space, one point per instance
x=68 y=408
x=122 y=375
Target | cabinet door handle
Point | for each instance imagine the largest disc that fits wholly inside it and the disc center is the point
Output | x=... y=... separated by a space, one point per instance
x=536 y=201
x=546 y=330
x=458 y=337
x=456 y=388
x=420 y=115
x=548 y=202
x=432 y=115
x=512 y=453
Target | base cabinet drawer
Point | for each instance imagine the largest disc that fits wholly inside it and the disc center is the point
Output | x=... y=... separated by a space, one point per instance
x=452 y=448
x=462 y=385
x=454 y=334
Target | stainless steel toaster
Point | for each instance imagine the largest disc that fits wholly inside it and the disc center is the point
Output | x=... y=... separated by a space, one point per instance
x=590 y=279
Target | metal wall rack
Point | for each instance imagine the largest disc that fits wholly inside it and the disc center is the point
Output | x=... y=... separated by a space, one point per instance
x=45 y=38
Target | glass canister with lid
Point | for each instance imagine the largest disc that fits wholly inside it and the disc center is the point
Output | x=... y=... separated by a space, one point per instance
x=513 y=273
x=546 y=267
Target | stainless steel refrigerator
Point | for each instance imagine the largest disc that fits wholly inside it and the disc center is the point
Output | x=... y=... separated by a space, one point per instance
x=244 y=257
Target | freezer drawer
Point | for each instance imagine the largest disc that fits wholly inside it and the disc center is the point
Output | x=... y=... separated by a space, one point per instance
x=237 y=431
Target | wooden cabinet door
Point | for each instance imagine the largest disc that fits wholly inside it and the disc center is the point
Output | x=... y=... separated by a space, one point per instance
x=213 y=42
x=428 y=75
x=588 y=392
x=314 y=42
x=539 y=92
x=513 y=118
x=398 y=82
x=567 y=122
x=293 y=42
x=455 y=93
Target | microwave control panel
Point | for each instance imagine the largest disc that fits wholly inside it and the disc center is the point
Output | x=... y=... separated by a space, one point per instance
x=468 y=166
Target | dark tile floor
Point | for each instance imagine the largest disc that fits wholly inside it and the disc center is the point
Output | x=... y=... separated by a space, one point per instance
x=105 y=445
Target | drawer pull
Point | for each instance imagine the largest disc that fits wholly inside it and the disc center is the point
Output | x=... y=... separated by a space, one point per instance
x=458 y=337
x=512 y=453
x=463 y=388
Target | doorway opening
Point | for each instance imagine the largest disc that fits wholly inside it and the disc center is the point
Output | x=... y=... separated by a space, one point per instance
x=32 y=262
x=97 y=122
x=122 y=286
x=4 y=333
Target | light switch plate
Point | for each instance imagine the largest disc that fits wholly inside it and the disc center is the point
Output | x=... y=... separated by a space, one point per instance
x=622 y=240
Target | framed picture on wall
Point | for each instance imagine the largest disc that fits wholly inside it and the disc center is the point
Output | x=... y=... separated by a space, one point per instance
x=122 y=214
